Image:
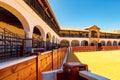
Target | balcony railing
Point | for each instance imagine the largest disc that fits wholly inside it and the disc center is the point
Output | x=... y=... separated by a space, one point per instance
x=86 y=36
x=10 y=44
x=94 y=36
x=110 y=37
x=34 y=4
x=78 y=36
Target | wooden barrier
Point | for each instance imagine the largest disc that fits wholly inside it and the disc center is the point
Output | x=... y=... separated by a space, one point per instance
x=21 y=71
x=52 y=60
x=82 y=48
x=104 y=48
x=46 y=61
x=55 y=59
x=61 y=54
x=31 y=69
x=92 y=48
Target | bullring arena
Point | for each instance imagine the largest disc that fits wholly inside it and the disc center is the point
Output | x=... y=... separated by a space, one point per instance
x=34 y=47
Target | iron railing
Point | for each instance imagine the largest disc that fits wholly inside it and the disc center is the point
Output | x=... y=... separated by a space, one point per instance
x=10 y=43
x=34 y=4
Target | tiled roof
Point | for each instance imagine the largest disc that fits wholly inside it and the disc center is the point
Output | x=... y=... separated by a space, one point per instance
x=113 y=32
x=72 y=28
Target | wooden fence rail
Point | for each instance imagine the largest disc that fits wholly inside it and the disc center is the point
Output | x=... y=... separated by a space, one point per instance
x=82 y=48
x=30 y=68
x=103 y=48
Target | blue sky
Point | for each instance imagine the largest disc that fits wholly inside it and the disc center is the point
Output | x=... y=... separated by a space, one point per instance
x=82 y=13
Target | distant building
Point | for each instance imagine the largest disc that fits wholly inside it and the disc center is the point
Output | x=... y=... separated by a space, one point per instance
x=90 y=36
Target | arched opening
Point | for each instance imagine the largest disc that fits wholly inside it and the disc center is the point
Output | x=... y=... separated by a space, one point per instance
x=19 y=15
x=75 y=43
x=102 y=43
x=94 y=43
x=10 y=22
x=37 y=38
x=94 y=34
x=48 y=37
x=84 y=43
x=109 y=43
x=119 y=43
x=48 y=43
x=53 y=42
x=114 y=43
x=37 y=34
x=64 y=43
x=11 y=34
x=17 y=19
x=58 y=43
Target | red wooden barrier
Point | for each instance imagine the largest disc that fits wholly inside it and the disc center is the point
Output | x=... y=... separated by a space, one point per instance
x=82 y=48
x=103 y=48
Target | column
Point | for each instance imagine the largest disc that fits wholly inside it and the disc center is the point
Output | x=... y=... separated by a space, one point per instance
x=79 y=43
x=44 y=42
x=28 y=42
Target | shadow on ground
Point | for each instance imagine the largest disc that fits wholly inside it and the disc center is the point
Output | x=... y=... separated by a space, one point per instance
x=72 y=58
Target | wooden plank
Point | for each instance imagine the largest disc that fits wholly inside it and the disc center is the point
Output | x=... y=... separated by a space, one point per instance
x=15 y=68
x=33 y=77
x=38 y=72
x=22 y=74
x=55 y=59
x=31 y=69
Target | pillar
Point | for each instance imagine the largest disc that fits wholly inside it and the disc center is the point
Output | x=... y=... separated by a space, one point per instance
x=44 y=42
x=28 y=42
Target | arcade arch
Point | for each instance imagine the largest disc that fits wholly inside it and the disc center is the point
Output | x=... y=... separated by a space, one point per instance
x=74 y=43
x=94 y=34
x=84 y=43
x=114 y=43
x=40 y=31
x=48 y=41
x=48 y=37
x=10 y=22
x=36 y=34
x=119 y=43
x=20 y=16
x=15 y=21
x=94 y=43
x=102 y=43
x=64 y=43
x=109 y=43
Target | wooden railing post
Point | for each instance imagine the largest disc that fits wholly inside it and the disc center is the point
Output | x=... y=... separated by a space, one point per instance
x=38 y=66
x=52 y=59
